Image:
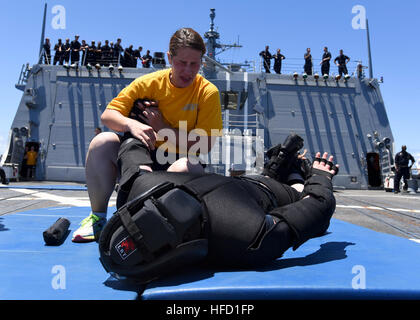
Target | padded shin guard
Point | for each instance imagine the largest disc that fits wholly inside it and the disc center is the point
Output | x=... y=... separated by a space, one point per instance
x=132 y=154
x=309 y=217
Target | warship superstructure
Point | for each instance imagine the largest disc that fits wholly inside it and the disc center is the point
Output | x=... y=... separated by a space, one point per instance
x=346 y=116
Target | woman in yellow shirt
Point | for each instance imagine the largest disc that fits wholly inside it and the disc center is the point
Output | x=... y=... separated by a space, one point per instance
x=181 y=102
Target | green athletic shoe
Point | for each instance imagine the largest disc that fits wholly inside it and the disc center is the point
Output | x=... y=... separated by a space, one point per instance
x=90 y=229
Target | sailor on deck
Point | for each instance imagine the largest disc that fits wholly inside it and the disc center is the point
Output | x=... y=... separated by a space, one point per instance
x=266 y=55
x=402 y=168
x=341 y=61
x=325 y=62
x=278 y=57
x=179 y=102
x=308 y=62
x=47 y=51
x=75 y=50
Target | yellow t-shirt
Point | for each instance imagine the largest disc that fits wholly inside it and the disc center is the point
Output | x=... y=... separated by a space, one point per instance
x=31 y=158
x=198 y=104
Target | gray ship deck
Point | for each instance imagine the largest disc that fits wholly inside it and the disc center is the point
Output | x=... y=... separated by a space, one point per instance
x=374 y=209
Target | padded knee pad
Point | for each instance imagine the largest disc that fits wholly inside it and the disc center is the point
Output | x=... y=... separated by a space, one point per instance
x=158 y=232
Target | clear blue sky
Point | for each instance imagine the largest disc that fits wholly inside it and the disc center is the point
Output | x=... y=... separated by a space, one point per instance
x=289 y=25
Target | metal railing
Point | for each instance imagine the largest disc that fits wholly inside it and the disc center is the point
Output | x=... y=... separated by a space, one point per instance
x=292 y=65
x=24 y=73
x=105 y=59
x=289 y=65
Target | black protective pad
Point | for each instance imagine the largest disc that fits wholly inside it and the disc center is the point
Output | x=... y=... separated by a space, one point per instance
x=131 y=155
x=311 y=216
x=56 y=234
x=153 y=234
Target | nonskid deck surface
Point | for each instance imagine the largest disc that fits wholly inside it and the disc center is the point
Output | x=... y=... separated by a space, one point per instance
x=349 y=261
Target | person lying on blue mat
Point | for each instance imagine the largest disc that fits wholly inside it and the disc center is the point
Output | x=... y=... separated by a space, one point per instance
x=167 y=220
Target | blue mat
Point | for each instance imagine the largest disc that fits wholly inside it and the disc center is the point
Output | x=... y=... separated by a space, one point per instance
x=31 y=270
x=44 y=187
x=350 y=262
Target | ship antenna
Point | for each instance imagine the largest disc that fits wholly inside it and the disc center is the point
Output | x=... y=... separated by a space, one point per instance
x=369 y=53
x=212 y=36
x=41 y=47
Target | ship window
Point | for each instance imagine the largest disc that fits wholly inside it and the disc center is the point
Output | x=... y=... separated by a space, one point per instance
x=229 y=100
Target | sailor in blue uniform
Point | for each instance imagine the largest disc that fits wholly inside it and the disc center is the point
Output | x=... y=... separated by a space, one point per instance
x=308 y=62
x=325 y=63
x=66 y=51
x=402 y=168
x=278 y=57
x=59 y=50
x=90 y=54
x=266 y=55
x=341 y=61
x=75 y=50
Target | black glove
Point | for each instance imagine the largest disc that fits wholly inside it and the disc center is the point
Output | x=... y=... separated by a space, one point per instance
x=315 y=171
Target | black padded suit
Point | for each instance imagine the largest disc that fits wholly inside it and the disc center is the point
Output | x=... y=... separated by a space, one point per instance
x=240 y=228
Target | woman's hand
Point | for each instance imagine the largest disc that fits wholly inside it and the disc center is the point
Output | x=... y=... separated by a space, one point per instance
x=324 y=165
x=143 y=132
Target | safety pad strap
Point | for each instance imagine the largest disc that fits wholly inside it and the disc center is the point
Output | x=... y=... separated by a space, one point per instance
x=202 y=185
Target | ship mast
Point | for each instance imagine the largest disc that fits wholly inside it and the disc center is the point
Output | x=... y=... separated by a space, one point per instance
x=41 y=47
x=212 y=36
x=369 y=52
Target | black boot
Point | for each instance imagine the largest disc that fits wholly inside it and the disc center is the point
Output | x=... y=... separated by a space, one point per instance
x=282 y=157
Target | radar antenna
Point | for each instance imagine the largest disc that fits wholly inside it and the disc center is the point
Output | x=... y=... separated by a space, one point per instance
x=212 y=36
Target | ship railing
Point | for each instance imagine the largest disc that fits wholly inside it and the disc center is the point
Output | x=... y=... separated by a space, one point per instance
x=24 y=73
x=240 y=121
x=292 y=65
x=104 y=60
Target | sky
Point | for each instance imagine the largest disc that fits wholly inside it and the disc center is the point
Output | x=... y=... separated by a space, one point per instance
x=290 y=25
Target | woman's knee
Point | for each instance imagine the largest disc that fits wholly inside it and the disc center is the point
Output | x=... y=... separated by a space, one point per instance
x=104 y=146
